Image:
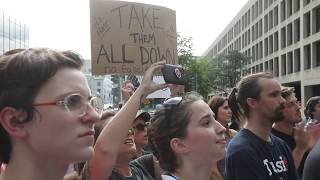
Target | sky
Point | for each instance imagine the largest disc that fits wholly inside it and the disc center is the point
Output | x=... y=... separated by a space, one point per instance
x=65 y=24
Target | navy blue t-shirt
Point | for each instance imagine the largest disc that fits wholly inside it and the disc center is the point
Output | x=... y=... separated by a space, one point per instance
x=251 y=158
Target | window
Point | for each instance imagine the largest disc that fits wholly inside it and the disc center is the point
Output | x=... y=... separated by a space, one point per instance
x=266 y=23
x=289 y=8
x=276 y=41
x=306 y=25
x=276 y=17
x=316 y=53
x=296 y=5
x=297 y=63
x=283 y=64
x=316 y=19
x=289 y=34
x=290 y=63
x=266 y=47
x=283 y=37
x=270 y=44
x=271 y=66
x=296 y=31
x=270 y=19
x=276 y=66
x=283 y=10
x=307 y=56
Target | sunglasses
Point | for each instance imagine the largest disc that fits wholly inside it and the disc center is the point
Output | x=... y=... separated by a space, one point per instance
x=131 y=131
x=141 y=127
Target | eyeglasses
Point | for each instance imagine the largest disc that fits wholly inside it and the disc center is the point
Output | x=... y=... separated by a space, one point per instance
x=76 y=104
x=141 y=127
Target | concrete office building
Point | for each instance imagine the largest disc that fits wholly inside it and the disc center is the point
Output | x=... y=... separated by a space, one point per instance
x=13 y=33
x=279 y=36
x=100 y=85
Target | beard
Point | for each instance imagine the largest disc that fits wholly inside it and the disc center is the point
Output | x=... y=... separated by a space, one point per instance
x=278 y=113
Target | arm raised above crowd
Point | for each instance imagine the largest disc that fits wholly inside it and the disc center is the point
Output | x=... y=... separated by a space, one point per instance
x=114 y=133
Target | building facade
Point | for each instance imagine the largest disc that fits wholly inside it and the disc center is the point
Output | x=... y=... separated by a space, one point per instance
x=100 y=86
x=279 y=36
x=13 y=33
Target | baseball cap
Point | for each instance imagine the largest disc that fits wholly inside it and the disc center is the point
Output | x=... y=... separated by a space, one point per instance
x=143 y=115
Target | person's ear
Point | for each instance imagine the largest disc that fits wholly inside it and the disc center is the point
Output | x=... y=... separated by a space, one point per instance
x=253 y=103
x=11 y=119
x=178 y=146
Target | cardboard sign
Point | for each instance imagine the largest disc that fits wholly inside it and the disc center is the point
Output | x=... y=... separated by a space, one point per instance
x=127 y=37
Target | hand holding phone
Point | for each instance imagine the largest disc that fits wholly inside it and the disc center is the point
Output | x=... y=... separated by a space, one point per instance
x=174 y=74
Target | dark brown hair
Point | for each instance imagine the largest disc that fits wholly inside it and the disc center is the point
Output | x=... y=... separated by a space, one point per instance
x=22 y=73
x=167 y=123
x=248 y=87
x=310 y=107
x=215 y=103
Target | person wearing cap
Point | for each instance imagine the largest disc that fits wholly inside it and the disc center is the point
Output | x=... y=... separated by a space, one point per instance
x=115 y=147
x=140 y=137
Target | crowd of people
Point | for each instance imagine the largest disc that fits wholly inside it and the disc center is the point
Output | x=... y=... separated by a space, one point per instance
x=51 y=127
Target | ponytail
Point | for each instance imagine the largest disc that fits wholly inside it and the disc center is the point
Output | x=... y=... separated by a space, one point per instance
x=234 y=105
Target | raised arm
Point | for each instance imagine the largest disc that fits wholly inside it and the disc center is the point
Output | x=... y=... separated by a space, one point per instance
x=113 y=134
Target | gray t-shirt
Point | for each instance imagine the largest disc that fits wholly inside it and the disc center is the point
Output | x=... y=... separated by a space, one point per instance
x=140 y=169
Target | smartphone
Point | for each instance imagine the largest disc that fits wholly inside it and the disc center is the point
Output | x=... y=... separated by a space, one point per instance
x=174 y=74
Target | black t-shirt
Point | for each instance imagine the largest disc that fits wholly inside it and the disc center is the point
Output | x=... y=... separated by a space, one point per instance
x=292 y=144
x=251 y=158
x=141 y=168
x=311 y=167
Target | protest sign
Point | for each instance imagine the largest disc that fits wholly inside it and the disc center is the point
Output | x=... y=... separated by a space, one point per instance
x=127 y=37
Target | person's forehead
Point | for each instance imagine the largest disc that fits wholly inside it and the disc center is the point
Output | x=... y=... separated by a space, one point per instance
x=138 y=120
x=269 y=85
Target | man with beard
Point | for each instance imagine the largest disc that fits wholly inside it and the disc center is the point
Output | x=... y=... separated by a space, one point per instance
x=295 y=137
x=254 y=153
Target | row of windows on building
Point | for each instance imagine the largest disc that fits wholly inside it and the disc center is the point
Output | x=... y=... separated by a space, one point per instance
x=290 y=62
x=13 y=34
x=266 y=23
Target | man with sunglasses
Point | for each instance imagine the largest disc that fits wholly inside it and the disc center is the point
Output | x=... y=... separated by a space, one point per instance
x=291 y=128
x=140 y=125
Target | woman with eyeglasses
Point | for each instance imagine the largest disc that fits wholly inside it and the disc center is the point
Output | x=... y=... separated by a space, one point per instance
x=46 y=113
x=186 y=138
x=115 y=147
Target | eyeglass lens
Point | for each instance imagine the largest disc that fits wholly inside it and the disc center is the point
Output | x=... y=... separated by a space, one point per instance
x=78 y=104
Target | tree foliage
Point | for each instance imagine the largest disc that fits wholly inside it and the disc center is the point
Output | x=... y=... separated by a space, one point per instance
x=226 y=69
x=197 y=69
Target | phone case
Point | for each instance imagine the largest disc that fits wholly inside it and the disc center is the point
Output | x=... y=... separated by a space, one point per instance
x=174 y=74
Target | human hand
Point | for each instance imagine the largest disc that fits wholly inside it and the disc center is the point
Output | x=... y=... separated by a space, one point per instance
x=314 y=133
x=301 y=137
x=147 y=86
x=72 y=176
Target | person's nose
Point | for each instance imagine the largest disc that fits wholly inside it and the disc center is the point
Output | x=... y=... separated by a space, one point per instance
x=282 y=100
x=91 y=115
x=219 y=128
